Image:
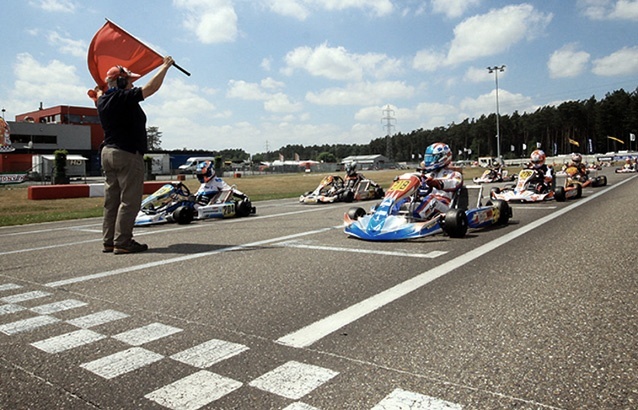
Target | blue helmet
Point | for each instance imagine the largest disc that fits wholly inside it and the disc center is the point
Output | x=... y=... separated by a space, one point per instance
x=437 y=156
x=205 y=171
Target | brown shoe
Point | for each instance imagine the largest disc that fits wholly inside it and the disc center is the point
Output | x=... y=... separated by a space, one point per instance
x=132 y=247
x=108 y=248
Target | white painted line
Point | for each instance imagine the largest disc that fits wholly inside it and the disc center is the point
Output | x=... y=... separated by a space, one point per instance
x=138 y=233
x=58 y=306
x=299 y=406
x=123 y=362
x=184 y=258
x=96 y=319
x=9 y=286
x=401 y=399
x=293 y=380
x=8 y=309
x=27 y=325
x=532 y=207
x=315 y=331
x=145 y=334
x=194 y=391
x=209 y=353
x=294 y=244
x=68 y=341
x=23 y=297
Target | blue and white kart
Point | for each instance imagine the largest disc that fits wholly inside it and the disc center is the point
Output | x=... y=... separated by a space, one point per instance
x=173 y=202
x=394 y=218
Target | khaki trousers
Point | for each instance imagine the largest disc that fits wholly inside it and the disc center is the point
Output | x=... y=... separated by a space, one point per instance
x=123 y=190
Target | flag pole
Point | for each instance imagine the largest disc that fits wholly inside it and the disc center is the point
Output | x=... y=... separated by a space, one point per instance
x=174 y=63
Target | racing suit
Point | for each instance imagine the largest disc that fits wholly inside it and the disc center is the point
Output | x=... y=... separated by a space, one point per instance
x=208 y=190
x=543 y=178
x=440 y=187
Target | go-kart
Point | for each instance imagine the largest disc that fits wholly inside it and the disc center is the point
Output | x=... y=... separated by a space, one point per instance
x=575 y=182
x=333 y=188
x=174 y=202
x=491 y=176
x=626 y=169
x=395 y=219
x=525 y=190
x=225 y=204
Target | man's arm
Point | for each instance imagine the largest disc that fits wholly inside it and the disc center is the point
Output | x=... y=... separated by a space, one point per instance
x=155 y=83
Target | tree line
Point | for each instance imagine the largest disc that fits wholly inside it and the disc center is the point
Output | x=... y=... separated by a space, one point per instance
x=583 y=126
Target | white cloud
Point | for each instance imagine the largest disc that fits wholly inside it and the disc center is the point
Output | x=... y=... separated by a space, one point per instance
x=362 y=93
x=52 y=82
x=494 y=32
x=212 y=21
x=478 y=75
x=453 y=8
x=289 y=8
x=55 y=6
x=486 y=35
x=610 y=9
x=277 y=102
x=486 y=103
x=301 y=9
x=567 y=62
x=75 y=48
x=621 y=62
x=336 y=63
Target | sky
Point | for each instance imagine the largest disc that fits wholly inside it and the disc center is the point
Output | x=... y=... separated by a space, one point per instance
x=271 y=73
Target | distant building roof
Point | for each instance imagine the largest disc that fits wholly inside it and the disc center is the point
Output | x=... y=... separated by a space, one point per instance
x=365 y=159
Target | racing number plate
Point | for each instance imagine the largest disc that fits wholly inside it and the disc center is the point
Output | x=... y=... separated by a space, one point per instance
x=400 y=185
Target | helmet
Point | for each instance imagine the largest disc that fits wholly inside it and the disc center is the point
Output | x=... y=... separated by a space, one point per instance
x=437 y=156
x=577 y=158
x=205 y=171
x=538 y=158
x=351 y=168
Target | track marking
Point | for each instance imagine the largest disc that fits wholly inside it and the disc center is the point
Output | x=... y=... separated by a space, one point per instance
x=58 y=344
x=182 y=258
x=296 y=244
x=315 y=331
x=27 y=325
x=203 y=224
x=401 y=399
x=194 y=391
x=96 y=319
x=123 y=362
x=293 y=380
x=208 y=353
x=146 y=334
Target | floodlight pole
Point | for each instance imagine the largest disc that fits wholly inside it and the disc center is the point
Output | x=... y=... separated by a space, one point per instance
x=495 y=70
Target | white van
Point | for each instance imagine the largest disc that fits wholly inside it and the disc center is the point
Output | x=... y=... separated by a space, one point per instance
x=191 y=164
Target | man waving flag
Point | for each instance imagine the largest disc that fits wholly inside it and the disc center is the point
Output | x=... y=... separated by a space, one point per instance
x=112 y=46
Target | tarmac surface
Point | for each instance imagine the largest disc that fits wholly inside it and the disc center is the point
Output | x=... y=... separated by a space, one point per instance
x=281 y=310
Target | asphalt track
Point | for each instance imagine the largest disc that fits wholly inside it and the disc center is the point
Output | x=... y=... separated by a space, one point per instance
x=282 y=310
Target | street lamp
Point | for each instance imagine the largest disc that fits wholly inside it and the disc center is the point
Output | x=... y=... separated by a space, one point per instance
x=495 y=70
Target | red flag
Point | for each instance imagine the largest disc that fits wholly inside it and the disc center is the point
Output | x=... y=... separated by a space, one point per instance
x=113 y=46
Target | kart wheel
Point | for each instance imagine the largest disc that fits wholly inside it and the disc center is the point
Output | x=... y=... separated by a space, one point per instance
x=348 y=196
x=455 y=223
x=504 y=211
x=183 y=215
x=243 y=208
x=579 y=190
x=559 y=194
x=356 y=213
x=600 y=181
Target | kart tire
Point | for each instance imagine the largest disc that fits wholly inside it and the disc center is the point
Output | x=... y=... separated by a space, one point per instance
x=455 y=223
x=494 y=191
x=356 y=213
x=183 y=215
x=600 y=181
x=579 y=190
x=504 y=211
x=379 y=193
x=348 y=196
x=243 y=208
x=559 y=194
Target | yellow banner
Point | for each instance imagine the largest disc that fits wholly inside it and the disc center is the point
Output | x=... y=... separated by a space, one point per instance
x=616 y=139
x=571 y=141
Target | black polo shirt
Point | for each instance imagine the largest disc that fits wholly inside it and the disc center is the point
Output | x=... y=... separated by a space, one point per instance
x=123 y=120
